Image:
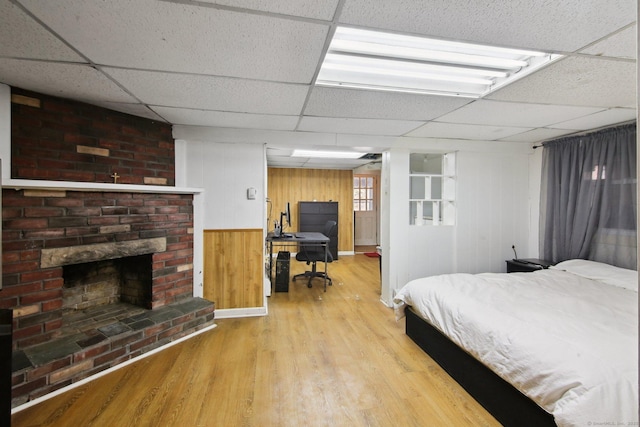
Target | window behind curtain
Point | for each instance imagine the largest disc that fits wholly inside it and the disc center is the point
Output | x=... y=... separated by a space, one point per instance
x=589 y=197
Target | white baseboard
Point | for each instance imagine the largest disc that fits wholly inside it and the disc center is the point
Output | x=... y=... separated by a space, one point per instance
x=228 y=313
x=390 y=305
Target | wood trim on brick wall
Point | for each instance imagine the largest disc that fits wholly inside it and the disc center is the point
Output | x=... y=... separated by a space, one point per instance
x=79 y=254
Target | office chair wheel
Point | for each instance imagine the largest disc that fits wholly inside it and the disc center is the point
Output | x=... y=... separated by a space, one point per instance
x=309 y=285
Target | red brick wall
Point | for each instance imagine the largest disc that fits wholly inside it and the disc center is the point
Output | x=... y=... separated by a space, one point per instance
x=35 y=220
x=61 y=140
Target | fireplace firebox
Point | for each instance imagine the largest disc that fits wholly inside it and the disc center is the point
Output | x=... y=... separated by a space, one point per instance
x=106 y=282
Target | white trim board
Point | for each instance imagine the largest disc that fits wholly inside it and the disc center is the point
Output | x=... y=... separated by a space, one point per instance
x=230 y=313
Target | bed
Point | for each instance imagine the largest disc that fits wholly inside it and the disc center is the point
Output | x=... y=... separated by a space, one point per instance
x=552 y=347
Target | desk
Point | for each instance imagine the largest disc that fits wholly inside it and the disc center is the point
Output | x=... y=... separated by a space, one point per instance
x=307 y=238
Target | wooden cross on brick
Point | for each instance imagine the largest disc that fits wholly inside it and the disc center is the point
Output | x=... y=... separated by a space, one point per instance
x=115 y=177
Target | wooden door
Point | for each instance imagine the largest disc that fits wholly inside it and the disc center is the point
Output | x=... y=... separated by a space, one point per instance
x=365 y=206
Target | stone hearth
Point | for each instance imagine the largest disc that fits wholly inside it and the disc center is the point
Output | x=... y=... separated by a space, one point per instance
x=100 y=337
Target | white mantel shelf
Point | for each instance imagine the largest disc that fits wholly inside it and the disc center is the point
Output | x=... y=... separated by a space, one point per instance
x=33 y=184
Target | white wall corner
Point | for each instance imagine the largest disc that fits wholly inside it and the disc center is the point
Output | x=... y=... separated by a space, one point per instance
x=180 y=162
x=535 y=184
x=198 y=245
x=5 y=131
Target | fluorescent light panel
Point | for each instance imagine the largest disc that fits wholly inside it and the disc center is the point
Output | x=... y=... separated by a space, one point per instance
x=393 y=62
x=327 y=154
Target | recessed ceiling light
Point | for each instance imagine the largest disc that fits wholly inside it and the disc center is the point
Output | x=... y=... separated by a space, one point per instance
x=327 y=154
x=392 y=62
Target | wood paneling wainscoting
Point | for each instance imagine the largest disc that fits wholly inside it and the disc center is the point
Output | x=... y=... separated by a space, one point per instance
x=306 y=185
x=233 y=268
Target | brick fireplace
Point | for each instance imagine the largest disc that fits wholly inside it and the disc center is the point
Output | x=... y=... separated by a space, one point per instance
x=94 y=277
x=48 y=232
x=87 y=226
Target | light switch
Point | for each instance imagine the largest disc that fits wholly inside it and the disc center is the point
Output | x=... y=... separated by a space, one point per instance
x=251 y=193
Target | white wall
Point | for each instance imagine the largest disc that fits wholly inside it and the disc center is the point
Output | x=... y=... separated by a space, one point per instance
x=225 y=171
x=5 y=130
x=535 y=180
x=394 y=213
x=494 y=212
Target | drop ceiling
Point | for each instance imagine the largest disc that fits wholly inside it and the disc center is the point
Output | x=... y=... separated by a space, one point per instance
x=247 y=67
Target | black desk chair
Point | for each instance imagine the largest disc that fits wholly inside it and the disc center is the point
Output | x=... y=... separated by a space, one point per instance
x=313 y=254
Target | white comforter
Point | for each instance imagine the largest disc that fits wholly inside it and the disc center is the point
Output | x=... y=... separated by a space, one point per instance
x=567 y=341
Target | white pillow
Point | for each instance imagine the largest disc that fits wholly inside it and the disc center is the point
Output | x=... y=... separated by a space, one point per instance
x=602 y=272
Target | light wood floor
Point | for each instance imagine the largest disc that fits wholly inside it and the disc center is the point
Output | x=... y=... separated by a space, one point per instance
x=318 y=359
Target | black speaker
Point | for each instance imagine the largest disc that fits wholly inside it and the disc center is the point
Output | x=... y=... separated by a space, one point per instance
x=282 y=271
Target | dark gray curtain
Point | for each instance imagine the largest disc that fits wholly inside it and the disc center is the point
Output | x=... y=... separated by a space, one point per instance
x=589 y=199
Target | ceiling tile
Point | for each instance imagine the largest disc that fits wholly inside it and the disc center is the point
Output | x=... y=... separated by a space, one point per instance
x=34 y=42
x=80 y=82
x=306 y=8
x=537 y=135
x=185 y=116
x=212 y=93
x=178 y=37
x=357 y=126
x=332 y=102
x=600 y=119
x=540 y=24
x=620 y=45
x=588 y=81
x=241 y=70
x=464 y=131
x=516 y=114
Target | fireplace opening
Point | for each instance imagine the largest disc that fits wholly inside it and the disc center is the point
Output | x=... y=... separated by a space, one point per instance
x=105 y=282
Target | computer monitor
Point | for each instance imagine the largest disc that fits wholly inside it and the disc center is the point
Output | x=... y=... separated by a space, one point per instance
x=285 y=216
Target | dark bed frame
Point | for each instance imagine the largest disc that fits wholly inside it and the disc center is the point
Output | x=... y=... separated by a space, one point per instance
x=506 y=403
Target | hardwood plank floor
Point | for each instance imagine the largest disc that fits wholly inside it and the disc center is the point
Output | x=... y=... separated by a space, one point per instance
x=318 y=359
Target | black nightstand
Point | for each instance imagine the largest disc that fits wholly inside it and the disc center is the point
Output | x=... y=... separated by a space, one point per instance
x=526 y=265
